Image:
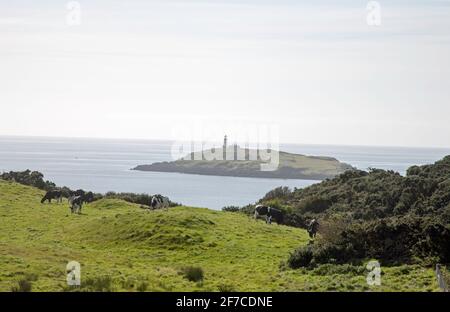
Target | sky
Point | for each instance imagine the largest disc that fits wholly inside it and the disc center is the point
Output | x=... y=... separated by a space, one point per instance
x=314 y=70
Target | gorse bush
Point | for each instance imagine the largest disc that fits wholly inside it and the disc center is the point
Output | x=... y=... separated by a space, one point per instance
x=301 y=257
x=377 y=214
x=28 y=177
x=394 y=241
x=231 y=208
x=23 y=285
x=282 y=192
x=193 y=274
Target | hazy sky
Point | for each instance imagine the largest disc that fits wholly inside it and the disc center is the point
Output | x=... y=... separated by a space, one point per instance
x=316 y=69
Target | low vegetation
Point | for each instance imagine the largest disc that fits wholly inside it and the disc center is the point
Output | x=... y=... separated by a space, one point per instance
x=193 y=274
x=377 y=214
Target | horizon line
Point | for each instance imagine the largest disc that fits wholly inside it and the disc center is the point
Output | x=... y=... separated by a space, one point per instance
x=166 y=140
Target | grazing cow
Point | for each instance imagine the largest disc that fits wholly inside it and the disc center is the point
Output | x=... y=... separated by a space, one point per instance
x=158 y=201
x=274 y=214
x=54 y=194
x=270 y=213
x=261 y=210
x=75 y=203
x=313 y=227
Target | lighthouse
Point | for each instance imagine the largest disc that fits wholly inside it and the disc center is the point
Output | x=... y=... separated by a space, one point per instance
x=224 y=149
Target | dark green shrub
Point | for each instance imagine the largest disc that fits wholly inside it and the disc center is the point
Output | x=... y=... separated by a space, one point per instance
x=193 y=274
x=314 y=204
x=231 y=209
x=301 y=257
x=282 y=192
x=23 y=285
x=386 y=216
x=28 y=177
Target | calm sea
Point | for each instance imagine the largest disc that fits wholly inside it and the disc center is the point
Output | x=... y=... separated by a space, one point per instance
x=104 y=165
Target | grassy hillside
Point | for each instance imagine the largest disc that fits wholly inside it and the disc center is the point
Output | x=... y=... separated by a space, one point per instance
x=122 y=247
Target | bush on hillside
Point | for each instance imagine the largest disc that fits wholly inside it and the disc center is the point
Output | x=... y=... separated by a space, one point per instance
x=193 y=273
x=23 y=285
x=282 y=192
x=301 y=257
x=392 y=241
x=28 y=177
x=231 y=208
x=381 y=213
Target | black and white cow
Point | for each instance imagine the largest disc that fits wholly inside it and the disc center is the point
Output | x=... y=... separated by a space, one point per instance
x=313 y=227
x=54 y=194
x=158 y=201
x=76 y=203
x=261 y=210
x=275 y=214
x=270 y=213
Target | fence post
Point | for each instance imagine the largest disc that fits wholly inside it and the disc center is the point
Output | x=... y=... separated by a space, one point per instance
x=440 y=279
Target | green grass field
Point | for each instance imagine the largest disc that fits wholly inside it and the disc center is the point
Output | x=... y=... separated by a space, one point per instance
x=122 y=247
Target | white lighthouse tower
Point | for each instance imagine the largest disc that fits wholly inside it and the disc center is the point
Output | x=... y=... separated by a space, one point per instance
x=224 y=148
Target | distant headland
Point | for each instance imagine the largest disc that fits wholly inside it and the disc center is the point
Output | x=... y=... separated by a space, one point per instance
x=245 y=162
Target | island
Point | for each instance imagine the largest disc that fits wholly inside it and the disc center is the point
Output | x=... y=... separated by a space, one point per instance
x=285 y=165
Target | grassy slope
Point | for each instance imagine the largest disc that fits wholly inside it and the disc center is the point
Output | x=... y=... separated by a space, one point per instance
x=133 y=246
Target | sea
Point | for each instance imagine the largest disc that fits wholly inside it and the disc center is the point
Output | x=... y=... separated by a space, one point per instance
x=102 y=165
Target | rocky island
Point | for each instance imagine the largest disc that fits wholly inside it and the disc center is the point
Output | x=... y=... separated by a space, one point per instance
x=287 y=166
